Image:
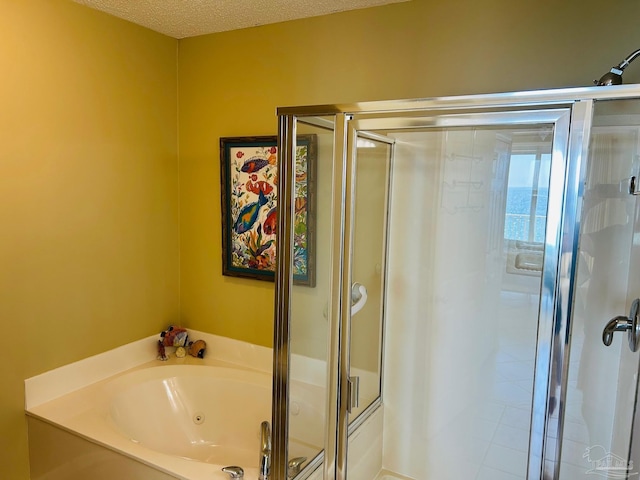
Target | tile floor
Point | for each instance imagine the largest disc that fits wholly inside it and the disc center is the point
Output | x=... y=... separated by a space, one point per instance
x=511 y=389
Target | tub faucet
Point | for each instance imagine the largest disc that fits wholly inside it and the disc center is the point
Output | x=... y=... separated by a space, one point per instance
x=265 y=451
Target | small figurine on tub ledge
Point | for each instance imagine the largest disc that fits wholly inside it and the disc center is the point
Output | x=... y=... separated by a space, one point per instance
x=197 y=348
x=173 y=336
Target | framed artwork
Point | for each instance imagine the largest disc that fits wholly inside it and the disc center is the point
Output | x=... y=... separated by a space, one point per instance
x=249 y=177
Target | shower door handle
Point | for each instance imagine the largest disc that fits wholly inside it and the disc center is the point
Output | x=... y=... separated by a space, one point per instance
x=353 y=392
x=630 y=324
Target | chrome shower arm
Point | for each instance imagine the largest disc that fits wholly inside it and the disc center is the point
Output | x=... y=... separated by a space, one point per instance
x=625 y=63
x=614 y=76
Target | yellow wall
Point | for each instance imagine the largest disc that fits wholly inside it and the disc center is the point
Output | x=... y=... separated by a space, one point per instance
x=88 y=194
x=231 y=83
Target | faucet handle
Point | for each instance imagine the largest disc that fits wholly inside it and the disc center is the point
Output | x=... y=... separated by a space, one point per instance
x=234 y=471
x=264 y=462
x=294 y=466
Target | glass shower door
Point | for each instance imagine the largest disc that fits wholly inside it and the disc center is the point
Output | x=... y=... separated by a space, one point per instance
x=462 y=325
x=369 y=256
x=602 y=388
x=305 y=362
x=465 y=302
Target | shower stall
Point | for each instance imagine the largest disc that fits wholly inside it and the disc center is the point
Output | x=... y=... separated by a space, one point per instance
x=474 y=313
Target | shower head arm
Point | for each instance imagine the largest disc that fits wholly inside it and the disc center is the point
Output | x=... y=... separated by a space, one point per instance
x=630 y=58
x=614 y=76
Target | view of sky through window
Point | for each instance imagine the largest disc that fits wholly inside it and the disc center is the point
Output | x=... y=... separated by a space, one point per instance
x=527 y=195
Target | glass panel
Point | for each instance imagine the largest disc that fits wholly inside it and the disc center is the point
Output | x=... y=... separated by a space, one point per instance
x=309 y=329
x=368 y=263
x=368 y=283
x=462 y=301
x=602 y=380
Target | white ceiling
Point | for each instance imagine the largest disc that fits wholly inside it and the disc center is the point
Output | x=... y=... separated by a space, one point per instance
x=188 y=18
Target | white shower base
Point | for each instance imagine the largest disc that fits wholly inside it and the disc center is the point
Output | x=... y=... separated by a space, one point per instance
x=386 y=475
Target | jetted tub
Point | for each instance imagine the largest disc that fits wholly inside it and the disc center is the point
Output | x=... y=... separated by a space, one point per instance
x=208 y=414
x=186 y=420
x=123 y=414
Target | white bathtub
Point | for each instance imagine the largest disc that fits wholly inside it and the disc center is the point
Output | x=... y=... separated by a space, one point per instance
x=187 y=421
x=122 y=411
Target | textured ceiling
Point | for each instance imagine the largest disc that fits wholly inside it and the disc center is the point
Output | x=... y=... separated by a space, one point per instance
x=188 y=18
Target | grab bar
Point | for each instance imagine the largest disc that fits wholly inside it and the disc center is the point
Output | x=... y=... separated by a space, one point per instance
x=358 y=296
x=358 y=299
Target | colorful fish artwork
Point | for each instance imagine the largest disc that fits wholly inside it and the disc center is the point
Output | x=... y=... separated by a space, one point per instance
x=250 y=199
x=254 y=164
x=269 y=225
x=249 y=214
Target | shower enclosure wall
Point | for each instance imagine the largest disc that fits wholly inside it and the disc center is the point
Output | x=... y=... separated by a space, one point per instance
x=474 y=255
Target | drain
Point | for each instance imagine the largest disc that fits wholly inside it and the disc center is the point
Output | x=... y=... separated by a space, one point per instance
x=198 y=418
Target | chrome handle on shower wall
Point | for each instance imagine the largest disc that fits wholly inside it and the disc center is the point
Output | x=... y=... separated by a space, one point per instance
x=629 y=324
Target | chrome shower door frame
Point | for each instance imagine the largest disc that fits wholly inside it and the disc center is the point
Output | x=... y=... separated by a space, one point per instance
x=570 y=110
x=563 y=172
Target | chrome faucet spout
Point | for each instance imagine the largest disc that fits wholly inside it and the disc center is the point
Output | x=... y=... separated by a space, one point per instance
x=265 y=451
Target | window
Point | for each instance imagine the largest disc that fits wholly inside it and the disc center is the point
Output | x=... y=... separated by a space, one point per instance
x=527 y=195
